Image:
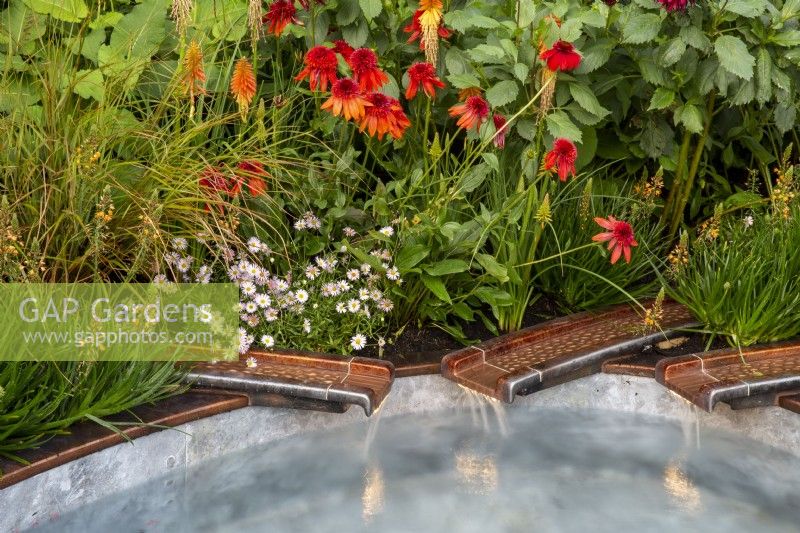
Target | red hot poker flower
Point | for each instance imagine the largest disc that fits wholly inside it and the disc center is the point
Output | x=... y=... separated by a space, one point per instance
x=346 y=99
x=366 y=72
x=320 y=68
x=619 y=237
x=415 y=29
x=343 y=48
x=383 y=115
x=252 y=173
x=562 y=56
x=280 y=14
x=423 y=74
x=500 y=122
x=562 y=157
x=472 y=112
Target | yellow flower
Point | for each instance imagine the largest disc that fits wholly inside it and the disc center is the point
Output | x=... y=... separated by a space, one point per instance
x=243 y=85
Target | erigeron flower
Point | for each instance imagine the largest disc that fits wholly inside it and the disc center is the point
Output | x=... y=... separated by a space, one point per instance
x=387 y=231
x=262 y=278
x=267 y=341
x=365 y=268
x=262 y=300
x=353 y=305
x=251 y=307
x=306 y=326
x=358 y=341
x=312 y=272
x=343 y=286
x=248 y=288
x=251 y=362
x=252 y=320
x=353 y=274
x=184 y=263
x=160 y=279
x=393 y=274
x=171 y=258
x=328 y=290
x=203 y=274
x=245 y=340
x=748 y=221
x=180 y=244
x=375 y=294
x=365 y=311
x=270 y=314
x=253 y=270
x=254 y=245
x=363 y=294
x=300 y=224
x=341 y=308
x=349 y=232
x=281 y=285
x=385 y=305
x=386 y=255
x=301 y=296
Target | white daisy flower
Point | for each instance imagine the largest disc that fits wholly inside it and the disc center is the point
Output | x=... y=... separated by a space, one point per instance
x=312 y=272
x=252 y=320
x=343 y=286
x=248 y=288
x=358 y=341
x=300 y=224
x=228 y=254
x=353 y=305
x=349 y=232
x=363 y=294
x=179 y=243
x=748 y=221
x=251 y=307
x=306 y=326
x=388 y=231
x=245 y=340
x=264 y=249
x=393 y=274
x=375 y=294
x=341 y=308
x=262 y=300
x=160 y=279
x=385 y=305
x=381 y=342
x=268 y=341
x=270 y=314
x=184 y=263
x=353 y=274
x=251 y=362
x=301 y=296
x=343 y=249
x=365 y=268
x=254 y=245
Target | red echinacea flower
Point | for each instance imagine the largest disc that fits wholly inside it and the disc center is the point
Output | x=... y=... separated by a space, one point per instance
x=366 y=72
x=562 y=157
x=619 y=237
x=500 y=123
x=346 y=99
x=251 y=173
x=320 y=68
x=343 y=48
x=472 y=112
x=279 y=15
x=383 y=115
x=562 y=56
x=675 y=5
x=423 y=74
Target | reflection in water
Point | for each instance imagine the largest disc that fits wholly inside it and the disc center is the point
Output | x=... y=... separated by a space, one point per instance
x=681 y=489
x=477 y=474
x=373 y=495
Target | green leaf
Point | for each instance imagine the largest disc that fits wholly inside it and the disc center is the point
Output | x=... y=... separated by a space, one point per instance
x=662 y=99
x=587 y=100
x=502 y=93
x=673 y=52
x=734 y=57
x=356 y=34
x=595 y=55
x=493 y=296
x=447 y=266
x=526 y=128
x=89 y=84
x=463 y=81
x=763 y=76
x=559 y=125
x=695 y=37
x=492 y=267
x=484 y=53
x=455 y=61
x=521 y=71
x=690 y=116
x=136 y=36
x=785 y=116
x=21 y=27
x=786 y=38
x=66 y=10
x=641 y=28
x=347 y=11
x=409 y=256
x=745 y=8
x=371 y=8
x=437 y=287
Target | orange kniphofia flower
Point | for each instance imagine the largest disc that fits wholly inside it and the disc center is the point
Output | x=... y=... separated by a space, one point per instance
x=243 y=85
x=280 y=14
x=320 y=68
x=472 y=112
x=364 y=64
x=422 y=74
x=562 y=157
x=562 y=56
x=194 y=76
x=383 y=115
x=415 y=29
x=346 y=100
x=619 y=237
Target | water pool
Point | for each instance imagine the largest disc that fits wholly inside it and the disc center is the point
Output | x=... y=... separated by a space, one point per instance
x=543 y=470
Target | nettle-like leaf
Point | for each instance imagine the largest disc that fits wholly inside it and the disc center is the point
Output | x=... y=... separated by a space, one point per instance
x=763 y=76
x=690 y=116
x=734 y=56
x=560 y=125
x=347 y=12
x=662 y=99
x=502 y=93
x=587 y=100
x=745 y=8
x=641 y=28
x=371 y=8
x=463 y=81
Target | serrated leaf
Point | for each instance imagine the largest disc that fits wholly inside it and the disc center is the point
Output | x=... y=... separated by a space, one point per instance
x=745 y=94
x=521 y=72
x=356 y=34
x=690 y=116
x=763 y=76
x=734 y=56
x=673 y=52
x=455 y=61
x=371 y=8
x=641 y=28
x=662 y=99
x=786 y=38
x=526 y=128
x=695 y=37
x=587 y=100
x=559 y=125
x=656 y=139
x=447 y=266
x=66 y=10
x=89 y=84
x=745 y=8
x=785 y=116
x=595 y=56
x=484 y=53
x=502 y=93
x=347 y=11
x=463 y=81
